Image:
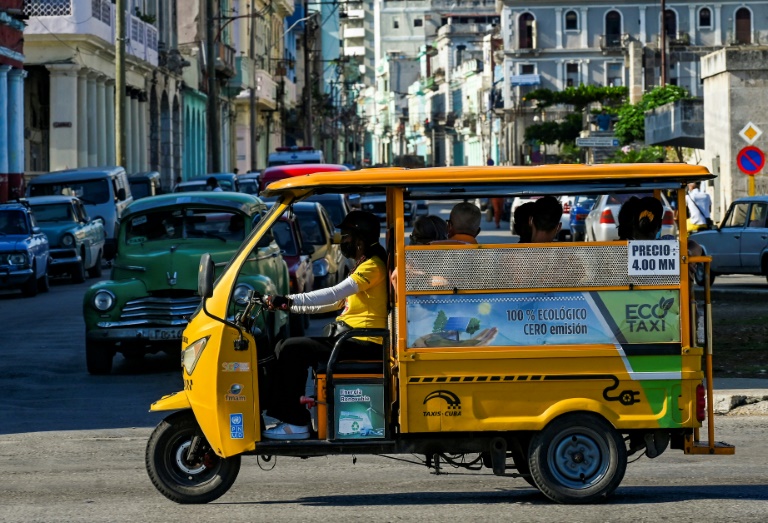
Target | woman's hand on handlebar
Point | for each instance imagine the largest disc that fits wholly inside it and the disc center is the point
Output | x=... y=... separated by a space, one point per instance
x=278 y=303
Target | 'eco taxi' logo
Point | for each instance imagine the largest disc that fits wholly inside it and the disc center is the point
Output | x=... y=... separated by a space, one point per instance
x=647 y=317
x=452 y=401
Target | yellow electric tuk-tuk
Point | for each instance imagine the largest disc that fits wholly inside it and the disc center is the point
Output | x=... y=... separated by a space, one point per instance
x=549 y=362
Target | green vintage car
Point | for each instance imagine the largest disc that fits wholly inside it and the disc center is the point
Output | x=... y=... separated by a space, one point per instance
x=76 y=241
x=152 y=292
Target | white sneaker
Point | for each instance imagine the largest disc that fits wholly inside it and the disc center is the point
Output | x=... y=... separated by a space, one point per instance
x=286 y=431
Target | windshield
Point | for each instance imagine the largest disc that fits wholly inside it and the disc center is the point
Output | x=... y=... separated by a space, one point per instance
x=89 y=191
x=56 y=212
x=281 y=230
x=140 y=189
x=13 y=222
x=185 y=223
x=311 y=227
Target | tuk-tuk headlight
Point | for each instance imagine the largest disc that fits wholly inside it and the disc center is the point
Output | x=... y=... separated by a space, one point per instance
x=191 y=354
x=320 y=267
x=240 y=295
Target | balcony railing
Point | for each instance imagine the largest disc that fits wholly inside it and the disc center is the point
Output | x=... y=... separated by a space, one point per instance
x=614 y=41
x=91 y=17
x=225 y=59
x=265 y=88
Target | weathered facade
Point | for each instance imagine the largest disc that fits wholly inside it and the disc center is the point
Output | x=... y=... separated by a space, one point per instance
x=11 y=99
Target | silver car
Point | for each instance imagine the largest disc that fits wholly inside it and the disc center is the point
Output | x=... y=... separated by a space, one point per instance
x=602 y=222
x=740 y=244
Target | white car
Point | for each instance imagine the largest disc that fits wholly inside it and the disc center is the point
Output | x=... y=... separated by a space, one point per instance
x=602 y=222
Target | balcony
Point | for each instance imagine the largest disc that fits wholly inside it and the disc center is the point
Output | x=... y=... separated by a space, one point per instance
x=91 y=18
x=284 y=7
x=265 y=89
x=614 y=42
x=358 y=50
x=679 y=123
x=243 y=78
x=225 y=59
x=354 y=32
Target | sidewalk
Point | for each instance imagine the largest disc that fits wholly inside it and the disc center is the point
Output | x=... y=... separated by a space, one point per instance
x=749 y=395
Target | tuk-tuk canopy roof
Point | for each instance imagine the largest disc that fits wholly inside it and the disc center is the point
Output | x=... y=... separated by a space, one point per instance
x=459 y=182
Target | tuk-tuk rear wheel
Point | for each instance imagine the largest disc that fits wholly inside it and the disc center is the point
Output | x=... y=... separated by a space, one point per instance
x=200 y=478
x=578 y=458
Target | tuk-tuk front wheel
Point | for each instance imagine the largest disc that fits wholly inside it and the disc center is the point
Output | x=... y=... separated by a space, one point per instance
x=578 y=458
x=182 y=465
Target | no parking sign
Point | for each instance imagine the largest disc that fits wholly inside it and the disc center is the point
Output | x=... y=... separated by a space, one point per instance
x=750 y=160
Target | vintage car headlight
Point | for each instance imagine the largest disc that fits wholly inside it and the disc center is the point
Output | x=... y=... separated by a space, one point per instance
x=67 y=240
x=320 y=267
x=407 y=206
x=17 y=258
x=241 y=292
x=191 y=354
x=103 y=300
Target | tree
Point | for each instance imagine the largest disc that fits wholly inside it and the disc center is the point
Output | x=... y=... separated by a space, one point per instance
x=630 y=126
x=473 y=326
x=440 y=322
x=566 y=131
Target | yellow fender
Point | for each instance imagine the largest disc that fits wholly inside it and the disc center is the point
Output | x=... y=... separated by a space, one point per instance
x=176 y=401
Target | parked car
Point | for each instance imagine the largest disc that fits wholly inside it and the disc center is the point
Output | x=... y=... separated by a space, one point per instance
x=248 y=183
x=565 y=233
x=317 y=230
x=281 y=171
x=377 y=204
x=298 y=258
x=152 y=291
x=578 y=213
x=227 y=181
x=740 y=244
x=144 y=184
x=601 y=224
x=76 y=241
x=295 y=155
x=337 y=205
x=24 y=255
x=104 y=191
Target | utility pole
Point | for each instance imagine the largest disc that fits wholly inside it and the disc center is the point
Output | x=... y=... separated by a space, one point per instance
x=213 y=94
x=252 y=96
x=663 y=38
x=120 y=82
x=307 y=80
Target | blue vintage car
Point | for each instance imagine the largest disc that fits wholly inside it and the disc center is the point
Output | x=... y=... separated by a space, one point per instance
x=24 y=256
x=76 y=241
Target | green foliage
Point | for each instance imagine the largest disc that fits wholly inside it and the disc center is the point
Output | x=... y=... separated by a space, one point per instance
x=579 y=97
x=473 y=326
x=630 y=126
x=440 y=321
x=569 y=153
x=643 y=155
x=550 y=133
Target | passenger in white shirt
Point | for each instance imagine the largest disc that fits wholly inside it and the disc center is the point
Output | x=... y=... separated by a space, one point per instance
x=699 y=207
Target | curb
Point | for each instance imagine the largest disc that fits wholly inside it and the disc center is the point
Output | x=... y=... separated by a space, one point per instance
x=725 y=401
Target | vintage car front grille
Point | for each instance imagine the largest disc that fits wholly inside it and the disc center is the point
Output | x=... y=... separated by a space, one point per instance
x=159 y=310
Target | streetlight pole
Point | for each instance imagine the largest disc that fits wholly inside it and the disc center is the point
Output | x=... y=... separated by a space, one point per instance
x=252 y=95
x=663 y=38
x=213 y=94
x=307 y=80
x=120 y=82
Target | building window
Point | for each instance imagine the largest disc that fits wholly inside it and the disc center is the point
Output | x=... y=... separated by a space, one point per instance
x=395 y=23
x=670 y=24
x=527 y=69
x=705 y=18
x=418 y=22
x=572 y=75
x=571 y=21
x=613 y=28
x=743 y=26
x=526 y=30
x=614 y=75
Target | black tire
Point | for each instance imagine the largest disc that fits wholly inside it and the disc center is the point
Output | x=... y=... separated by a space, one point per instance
x=201 y=480
x=699 y=275
x=578 y=458
x=29 y=289
x=95 y=271
x=98 y=357
x=78 y=272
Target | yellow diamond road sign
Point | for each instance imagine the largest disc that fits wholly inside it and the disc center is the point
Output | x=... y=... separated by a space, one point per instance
x=750 y=133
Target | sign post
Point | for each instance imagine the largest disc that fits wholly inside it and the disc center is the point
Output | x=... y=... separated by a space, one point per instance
x=750 y=161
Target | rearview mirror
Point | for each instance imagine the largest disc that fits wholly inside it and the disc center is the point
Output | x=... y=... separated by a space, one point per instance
x=206 y=274
x=336 y=236
x=121 y=194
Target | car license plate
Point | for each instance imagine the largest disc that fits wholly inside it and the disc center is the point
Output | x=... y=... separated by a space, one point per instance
x=162 y=334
